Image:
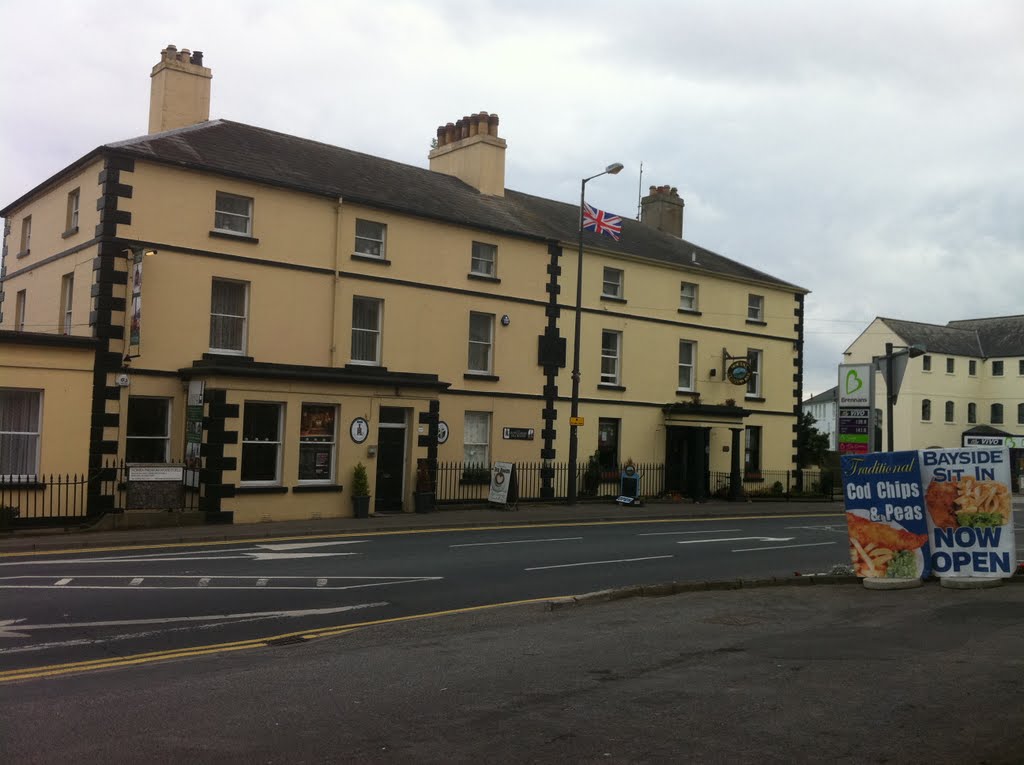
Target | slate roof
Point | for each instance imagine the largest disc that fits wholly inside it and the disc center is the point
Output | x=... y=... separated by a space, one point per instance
x=277 y=159
x=984 y=338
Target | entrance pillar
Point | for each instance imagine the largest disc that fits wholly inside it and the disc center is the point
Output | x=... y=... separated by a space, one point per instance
x=735 y=482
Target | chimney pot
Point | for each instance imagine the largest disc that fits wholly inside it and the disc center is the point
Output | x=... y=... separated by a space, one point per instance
x=449 y=132
x=197 y=57
x=492 y=124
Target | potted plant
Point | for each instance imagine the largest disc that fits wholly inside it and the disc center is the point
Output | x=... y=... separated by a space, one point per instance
x=423 y=497
x=360 y=492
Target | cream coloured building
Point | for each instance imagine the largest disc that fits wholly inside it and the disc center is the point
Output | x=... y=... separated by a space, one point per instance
x=326 y=307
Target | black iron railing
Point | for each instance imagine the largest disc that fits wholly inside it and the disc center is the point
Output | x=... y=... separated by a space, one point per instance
x=780 y=485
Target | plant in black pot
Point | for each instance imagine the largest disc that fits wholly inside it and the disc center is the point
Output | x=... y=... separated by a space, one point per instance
x=360 y=492
x=423 y=497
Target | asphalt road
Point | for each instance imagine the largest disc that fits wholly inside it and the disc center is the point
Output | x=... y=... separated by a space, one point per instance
x=91 y=606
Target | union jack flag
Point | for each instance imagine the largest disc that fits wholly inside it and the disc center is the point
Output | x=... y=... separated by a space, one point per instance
x=601 y=222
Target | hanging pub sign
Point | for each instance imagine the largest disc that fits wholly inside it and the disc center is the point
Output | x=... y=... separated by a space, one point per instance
x=738 y=372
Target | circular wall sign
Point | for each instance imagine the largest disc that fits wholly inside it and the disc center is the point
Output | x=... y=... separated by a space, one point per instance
x=442 y=432
x=359 y=430
x=738 y=372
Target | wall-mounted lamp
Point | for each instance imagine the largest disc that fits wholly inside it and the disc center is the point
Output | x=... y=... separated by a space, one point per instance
x=139 y=251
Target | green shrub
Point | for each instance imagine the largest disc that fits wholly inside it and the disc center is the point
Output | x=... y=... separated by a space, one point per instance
x=360 y=481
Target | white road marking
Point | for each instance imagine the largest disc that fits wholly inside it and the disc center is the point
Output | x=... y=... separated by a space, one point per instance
x=517 y=542
x=736 y=539
x=302 y=545
x=784 y=547
x=262 y=582
x=204 y=581
x=136 y=581
x=62 y=582
x=18 y=625
x=670 y=533
x=597 y=563
x=307 y=582
x=321 y=582
x=215 y=555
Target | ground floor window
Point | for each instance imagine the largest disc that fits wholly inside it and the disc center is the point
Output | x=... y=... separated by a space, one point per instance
x=608 y=443
x=317 y=439
x=752 y=450
x=261 y=443
x=20 y=416
x=476 y=440
x=149 y=433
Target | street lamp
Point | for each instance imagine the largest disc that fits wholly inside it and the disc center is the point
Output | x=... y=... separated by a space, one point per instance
x=612 y=169
x=891 y=352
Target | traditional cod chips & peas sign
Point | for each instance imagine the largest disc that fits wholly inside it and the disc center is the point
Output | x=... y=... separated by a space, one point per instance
x=942 y=511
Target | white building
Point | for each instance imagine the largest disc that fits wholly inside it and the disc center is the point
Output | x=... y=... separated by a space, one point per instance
x=823 y=409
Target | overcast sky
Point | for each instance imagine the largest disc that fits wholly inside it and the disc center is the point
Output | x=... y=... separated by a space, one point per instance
x=872 y=152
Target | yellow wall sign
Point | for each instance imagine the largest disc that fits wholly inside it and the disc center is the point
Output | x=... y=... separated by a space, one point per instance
x=576 y=421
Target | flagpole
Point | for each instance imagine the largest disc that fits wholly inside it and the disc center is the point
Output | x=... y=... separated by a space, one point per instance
x=574 y=408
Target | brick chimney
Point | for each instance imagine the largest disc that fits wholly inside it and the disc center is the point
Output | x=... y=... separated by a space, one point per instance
x=179 y=92
x=470 y=150
x=663 y=209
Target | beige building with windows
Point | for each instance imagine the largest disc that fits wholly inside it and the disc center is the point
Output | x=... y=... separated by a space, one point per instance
x=322 y=307
x=966 y=390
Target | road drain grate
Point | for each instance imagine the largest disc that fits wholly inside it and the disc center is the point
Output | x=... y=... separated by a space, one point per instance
x=290 y=640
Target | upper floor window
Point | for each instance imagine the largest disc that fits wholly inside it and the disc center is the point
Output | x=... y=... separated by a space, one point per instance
x=71 y=223
x=317 y=438
x=370 y=238
x=926 y=409
x=476 y=433
x=687 y=296
x=484 y=260
x=972 y=367
x=19 y=310
x=26 y=235
x=755 y=307
x=611 y=285
x=67 y=291
x=261 y=443
x=926 y=363
x=367 y=315
x=997 y=414
x=756 y=359
x=950 y=411
x=611 y=354
x=997 y=368
x=481 y=342
x=950 y=366
x=752 y=449
x=1020 y=414
x=148 y=437
x=233 y=214
x=228 y=316
x=972 y=413
x=20 y=412
x=1020 y=366
x=686 y=359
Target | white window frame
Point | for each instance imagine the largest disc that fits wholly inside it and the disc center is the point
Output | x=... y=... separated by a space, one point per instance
x=755 y=307
x=222 y=216
x=611 y=357
x=755 y=388
x=688 y=295
x=325 y=442
x=613 y=283
x=484 y=260
x=374 y=332
x=244 y=317
x=364 y=239
x=7 y=431
x=278 y=442
x=486 y=345
x=74 y=199
x=67 y=293
x=166 y=437
x=19 y=310
x=687 y=367
x=484 y=419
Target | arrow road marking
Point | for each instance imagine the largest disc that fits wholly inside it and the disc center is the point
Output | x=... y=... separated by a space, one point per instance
x=516 y=542
x=672 y=533
x=169 y=559
x=213 y=582
x=783 y=547
x=735 y=539
x=596 y=563
x=303 y=545
x=25 y=628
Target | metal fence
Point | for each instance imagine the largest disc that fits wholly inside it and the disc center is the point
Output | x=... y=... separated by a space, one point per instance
x=64 y=499
x=781 y=485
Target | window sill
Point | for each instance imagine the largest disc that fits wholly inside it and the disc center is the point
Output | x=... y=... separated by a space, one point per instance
x=613 y=299
x=687 y=392
x=313 y=488
x=216 y=353
x=690 y=311
x=234 y=237
x=481 y=376
x=760 y=399
x=610 y=386
x=483 y=278
x=23 y=254
x=30 y=482
x=261 y=490
x=370 y=259
x=70 y=232
x=756 y=323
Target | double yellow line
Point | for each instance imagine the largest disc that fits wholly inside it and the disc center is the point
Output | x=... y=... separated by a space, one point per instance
x=55 y=670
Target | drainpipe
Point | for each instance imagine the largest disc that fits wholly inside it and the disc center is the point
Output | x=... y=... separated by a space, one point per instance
x=337 y=279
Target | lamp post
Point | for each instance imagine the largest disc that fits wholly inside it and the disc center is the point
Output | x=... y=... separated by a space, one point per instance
x=891 y=352
x=612 y=169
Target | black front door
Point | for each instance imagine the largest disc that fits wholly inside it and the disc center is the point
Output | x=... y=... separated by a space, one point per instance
x=390 y=461
x=686 y=461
